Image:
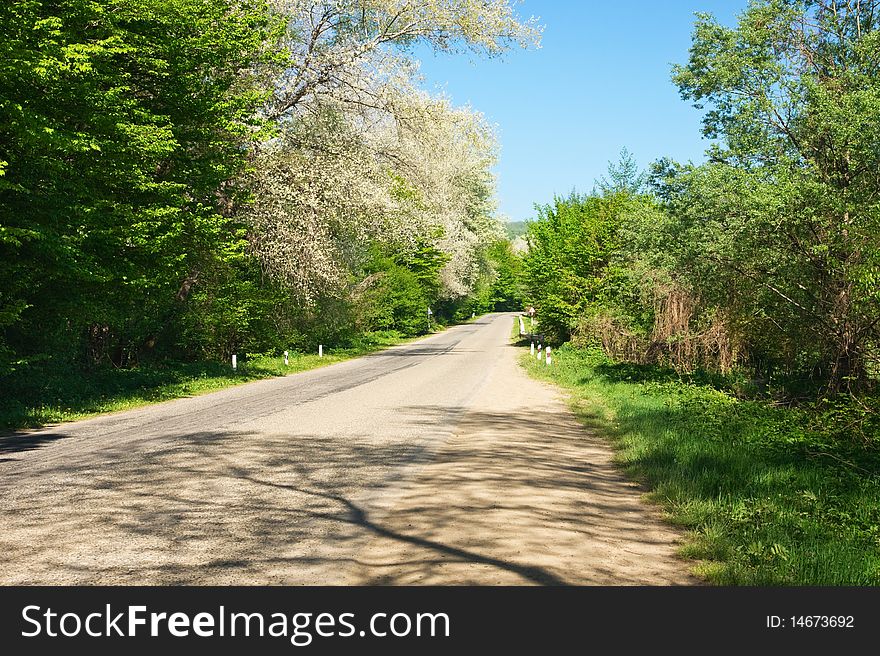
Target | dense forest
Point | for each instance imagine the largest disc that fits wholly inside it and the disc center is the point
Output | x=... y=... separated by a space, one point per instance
x=182 y=180
x=765 y=258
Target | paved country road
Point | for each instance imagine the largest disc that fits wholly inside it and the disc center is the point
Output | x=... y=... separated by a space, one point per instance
x=436 y=462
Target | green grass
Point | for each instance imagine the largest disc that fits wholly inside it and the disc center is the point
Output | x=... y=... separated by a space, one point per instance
x=768 y=495
x=46 y=394
x=530 y=326
x=514 y=329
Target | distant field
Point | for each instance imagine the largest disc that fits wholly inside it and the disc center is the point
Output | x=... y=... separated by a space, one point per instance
x=515 y=229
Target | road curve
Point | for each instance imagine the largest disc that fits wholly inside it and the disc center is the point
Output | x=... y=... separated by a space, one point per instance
x=435 y=462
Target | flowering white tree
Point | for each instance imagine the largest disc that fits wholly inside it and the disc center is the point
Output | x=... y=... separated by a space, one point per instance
x=334 y=45
x=446 y=154
x=333 y=183
x=364 y=156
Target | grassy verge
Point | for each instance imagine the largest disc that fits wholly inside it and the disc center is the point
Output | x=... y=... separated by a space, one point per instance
x=45 y=394
x=768 y=495
x=514 y=329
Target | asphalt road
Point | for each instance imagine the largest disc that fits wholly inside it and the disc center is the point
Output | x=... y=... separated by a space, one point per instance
x=439 y=461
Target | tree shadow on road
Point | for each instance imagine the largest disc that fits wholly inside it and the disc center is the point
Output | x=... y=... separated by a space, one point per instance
x=233 y=507
x=19 y=442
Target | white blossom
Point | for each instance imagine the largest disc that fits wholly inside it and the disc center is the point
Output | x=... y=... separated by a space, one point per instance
x=363 y=155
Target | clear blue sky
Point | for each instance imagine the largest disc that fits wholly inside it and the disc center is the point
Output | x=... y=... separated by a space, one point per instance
x=600 y=82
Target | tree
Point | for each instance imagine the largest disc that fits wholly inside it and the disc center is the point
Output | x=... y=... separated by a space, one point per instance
x=506 y=292
x=121 y=125
x=570 y=248
x=793 y=96
x=336 y=182
x=345 y=49
x=237 y=166
x=622 y=177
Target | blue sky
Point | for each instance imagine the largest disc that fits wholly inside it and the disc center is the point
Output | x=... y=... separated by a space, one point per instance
x=600 y=82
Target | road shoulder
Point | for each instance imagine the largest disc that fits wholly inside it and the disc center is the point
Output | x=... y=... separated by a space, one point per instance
x=521 y=494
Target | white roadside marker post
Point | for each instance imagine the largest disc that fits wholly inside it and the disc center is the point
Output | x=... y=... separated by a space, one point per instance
x=548 y=356
x=234 y=362
x=539 y=351
x=320 y=350
x=532 y=350
x=286 y=359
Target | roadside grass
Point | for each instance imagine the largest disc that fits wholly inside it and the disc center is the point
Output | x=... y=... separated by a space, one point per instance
x=514 y=330
x=41 y=394
x=769 y=496
x=530 y=326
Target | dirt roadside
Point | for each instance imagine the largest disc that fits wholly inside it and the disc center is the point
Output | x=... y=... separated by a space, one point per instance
x=522 y=494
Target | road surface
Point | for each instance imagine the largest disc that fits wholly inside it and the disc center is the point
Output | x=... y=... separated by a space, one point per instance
x=436 y=462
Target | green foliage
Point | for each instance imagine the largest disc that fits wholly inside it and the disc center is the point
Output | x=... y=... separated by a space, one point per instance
x=623 y=177
x=505 y=292
x=406 y=284
x=567 y=268
x=768 y=255
x=121 y=125
x=787 y=214
x=424 y=263
x=399 y=302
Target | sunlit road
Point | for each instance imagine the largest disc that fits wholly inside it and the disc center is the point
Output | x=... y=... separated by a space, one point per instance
x=435 y=462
